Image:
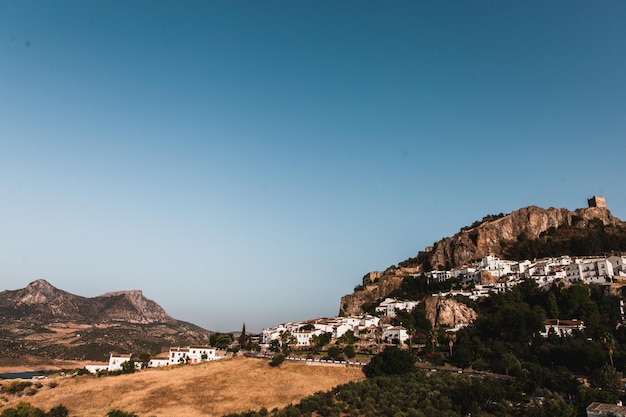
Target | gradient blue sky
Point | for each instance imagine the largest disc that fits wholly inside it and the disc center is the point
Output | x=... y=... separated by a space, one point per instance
x=250 y=161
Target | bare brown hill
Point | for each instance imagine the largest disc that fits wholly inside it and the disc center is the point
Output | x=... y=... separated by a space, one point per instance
x=209 y=389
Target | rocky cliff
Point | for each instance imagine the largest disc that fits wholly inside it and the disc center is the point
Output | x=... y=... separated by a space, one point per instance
x=351 y=303
x=448 y=312
x=494 y=235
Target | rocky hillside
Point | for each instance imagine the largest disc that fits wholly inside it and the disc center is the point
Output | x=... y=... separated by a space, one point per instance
x=525 y=233
x=42 y=300
x=448 y=312
x=495 y=236
x=43 y=320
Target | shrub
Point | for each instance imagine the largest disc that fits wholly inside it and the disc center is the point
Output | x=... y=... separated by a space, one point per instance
x=58 y=411
x=16 y=387
x=277 y=360
x=23 y=409
x=390 y=361
x=120 y=413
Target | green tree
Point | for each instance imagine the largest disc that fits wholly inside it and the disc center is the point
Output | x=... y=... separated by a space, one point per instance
x=278 y=359
x=348 y=338
x=274 y=346
x=144 y=358
x=390 y=361
x=128 y=367
x=607 y=379
x=58 y=411
x=320 y=341
x=23 y=409
x=243 y=337
x=221 y=340
x=349 y=351
x=334 y=352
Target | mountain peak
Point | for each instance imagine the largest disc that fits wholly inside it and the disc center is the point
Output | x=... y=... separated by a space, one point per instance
x=38 y=292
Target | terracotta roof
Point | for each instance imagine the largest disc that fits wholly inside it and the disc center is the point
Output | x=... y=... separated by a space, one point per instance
x=607 y=408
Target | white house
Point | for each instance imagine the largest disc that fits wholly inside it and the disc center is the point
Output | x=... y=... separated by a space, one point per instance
x=392 y=333
x=115 y=363
x=465 y=274
x=438 y=276
x=162 y=359
x=562 y=327
x=192 y=354
x=495 y=266
x=94 y=368
x=389 y=306
x=303 y=337
x=590 y=271
x=619 y=264
x=116 y=360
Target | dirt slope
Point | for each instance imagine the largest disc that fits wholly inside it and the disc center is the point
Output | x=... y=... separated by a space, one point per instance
x=211 y=389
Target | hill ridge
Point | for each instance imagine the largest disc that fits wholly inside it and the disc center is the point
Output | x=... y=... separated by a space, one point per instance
x=48 y=321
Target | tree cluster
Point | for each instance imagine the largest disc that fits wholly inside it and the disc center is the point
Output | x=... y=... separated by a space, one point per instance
x=24 y=409
x=416 y=394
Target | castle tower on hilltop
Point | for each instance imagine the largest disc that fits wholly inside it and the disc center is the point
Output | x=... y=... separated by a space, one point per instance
x=597 y=201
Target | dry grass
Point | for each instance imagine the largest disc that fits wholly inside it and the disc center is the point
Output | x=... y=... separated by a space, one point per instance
x=210 y=389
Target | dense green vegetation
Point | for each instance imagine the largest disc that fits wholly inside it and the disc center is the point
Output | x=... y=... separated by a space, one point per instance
x=595 y=239
x=392 y=361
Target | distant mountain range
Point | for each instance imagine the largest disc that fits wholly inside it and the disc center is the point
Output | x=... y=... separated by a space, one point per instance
x=43 y=320
x=528 y=233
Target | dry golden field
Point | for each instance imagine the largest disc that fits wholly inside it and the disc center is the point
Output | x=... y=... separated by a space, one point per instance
x=209 y=389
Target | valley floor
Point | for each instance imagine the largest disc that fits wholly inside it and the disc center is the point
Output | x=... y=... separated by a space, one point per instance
x=209 y=389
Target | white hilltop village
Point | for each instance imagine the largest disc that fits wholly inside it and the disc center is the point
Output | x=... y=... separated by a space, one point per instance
x=480 y=279
x=506 y=274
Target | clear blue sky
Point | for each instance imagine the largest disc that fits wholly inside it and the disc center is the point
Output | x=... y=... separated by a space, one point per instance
x=250 y=161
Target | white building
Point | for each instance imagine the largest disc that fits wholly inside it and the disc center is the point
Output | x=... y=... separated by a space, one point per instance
x=116 y=360
x=192 y=354
x=94 y=368
x=303 y=337
x=495 y=266
x=398 y=333
x=438 y=276
x=619 y=264
x=115 y=363
x=590 y=271
x=389 y=306
x=562 y=327
x=162 y=359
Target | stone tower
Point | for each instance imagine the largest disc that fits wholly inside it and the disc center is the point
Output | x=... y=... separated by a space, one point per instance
x=597 y=201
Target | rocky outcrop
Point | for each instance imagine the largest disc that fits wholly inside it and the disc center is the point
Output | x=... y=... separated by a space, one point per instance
x=370 y=293
x=133 y=307
x=448 y=312
x=491 y=237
